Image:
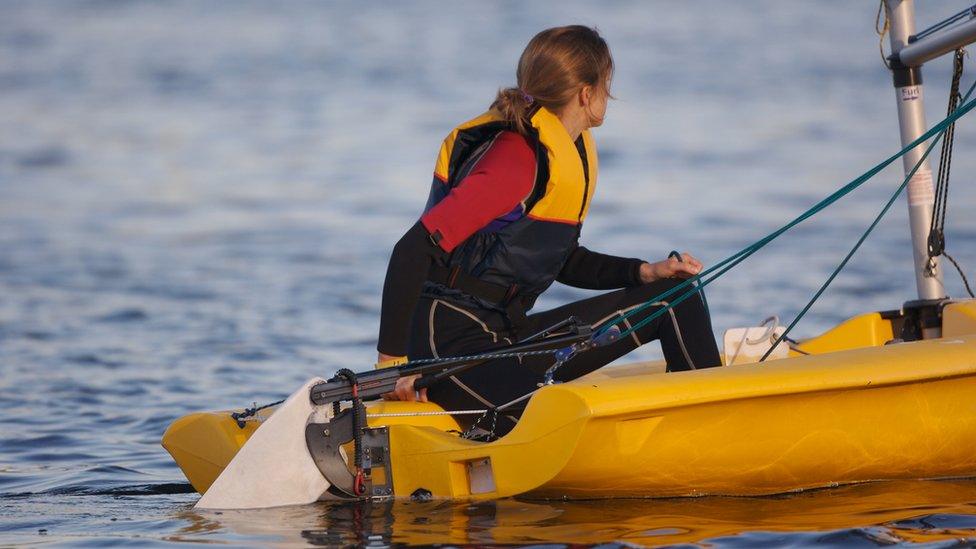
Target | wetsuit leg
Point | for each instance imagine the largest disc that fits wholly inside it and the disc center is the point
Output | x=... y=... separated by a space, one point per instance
x=686 y=335
x=444 y=329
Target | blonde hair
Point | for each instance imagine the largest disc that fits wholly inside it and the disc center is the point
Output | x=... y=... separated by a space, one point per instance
x=555 y=65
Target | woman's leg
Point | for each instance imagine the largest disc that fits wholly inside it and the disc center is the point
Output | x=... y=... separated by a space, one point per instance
x=685 y=332
x=445 y=329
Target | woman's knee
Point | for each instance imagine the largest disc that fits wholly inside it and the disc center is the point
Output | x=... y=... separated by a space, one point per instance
x=692 y=304
x=669 y=290
x=659 y=290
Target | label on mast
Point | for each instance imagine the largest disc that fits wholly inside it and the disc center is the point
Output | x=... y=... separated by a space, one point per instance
x=911 y=93
x=920 y=190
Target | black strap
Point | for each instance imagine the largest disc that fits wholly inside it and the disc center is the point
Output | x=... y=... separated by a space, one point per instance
x=505 y=298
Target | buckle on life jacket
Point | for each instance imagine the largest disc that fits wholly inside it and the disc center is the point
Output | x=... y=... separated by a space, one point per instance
x=505 y=298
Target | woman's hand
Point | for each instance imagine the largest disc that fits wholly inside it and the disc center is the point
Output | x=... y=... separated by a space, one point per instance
x=688 y=267
x=404 y=390
x=404 y=386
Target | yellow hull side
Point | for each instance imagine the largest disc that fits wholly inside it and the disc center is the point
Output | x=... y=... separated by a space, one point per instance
x=895 y=412
x=880 y=412
x=203 y=443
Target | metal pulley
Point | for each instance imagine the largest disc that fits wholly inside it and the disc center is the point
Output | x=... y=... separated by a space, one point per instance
x=374 y=477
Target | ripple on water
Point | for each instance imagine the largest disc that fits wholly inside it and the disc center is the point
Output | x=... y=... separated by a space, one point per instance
x=46 y=456
x=124 y=315
x=43 y=158
x=18 y=444
x=91 y=359
x=38 y=335
x=180 y=293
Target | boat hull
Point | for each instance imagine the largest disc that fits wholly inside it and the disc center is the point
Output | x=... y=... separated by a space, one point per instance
x=770 y=434
x=901 y=411
x=884 y=413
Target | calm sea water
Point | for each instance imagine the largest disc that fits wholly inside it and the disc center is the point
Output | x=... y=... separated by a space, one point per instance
x=197 y=202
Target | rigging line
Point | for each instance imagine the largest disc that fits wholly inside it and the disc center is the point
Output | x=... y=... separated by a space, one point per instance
x=945 y=157
x=677 y=301
x=864 y=236
x=680 y=299
x=728 y=263
x=936 y=236
x=428 y=413
x=882 y=30
x=968 y=12
x=843 y=263
x=965 y=281
x=482 y=356
x=241 y=416
x=494 y=411
x=762 y=242
x=677 y=255
x=833 y=197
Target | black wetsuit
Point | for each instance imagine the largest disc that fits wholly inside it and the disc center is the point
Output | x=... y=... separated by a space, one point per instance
x=450 y=325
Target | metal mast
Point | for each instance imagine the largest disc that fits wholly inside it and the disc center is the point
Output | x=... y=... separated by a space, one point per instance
x=911 y=120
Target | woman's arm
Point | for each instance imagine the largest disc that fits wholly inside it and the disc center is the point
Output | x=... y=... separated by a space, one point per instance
x=405 y=276
x=595 y=271
x=498 y=184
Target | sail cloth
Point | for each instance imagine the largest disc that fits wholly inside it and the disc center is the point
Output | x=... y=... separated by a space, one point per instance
x=276 y=454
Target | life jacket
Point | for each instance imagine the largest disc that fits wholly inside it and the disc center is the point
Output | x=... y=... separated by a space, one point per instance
x=517 y=256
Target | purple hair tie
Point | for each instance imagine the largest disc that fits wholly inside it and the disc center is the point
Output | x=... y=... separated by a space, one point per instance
x=528 y=98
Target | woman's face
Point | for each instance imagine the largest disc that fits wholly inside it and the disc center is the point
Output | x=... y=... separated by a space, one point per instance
x=596 y=107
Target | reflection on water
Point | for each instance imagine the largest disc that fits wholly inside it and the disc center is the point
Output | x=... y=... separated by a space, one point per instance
x=870 y=514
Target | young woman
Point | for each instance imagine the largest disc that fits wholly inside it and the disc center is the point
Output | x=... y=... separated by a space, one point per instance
x=510 y=192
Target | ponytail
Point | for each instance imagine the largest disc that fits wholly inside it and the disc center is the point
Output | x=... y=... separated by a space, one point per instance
x=514 y=106
x=555 y=65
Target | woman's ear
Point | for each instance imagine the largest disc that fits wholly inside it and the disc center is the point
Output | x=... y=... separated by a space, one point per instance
x=585 y=94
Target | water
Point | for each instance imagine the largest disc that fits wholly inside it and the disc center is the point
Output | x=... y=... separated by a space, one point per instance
x=197 y=202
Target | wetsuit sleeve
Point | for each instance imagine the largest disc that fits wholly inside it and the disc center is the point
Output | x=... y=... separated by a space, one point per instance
x=498 y=185
x=405 y=276
x=596 y=271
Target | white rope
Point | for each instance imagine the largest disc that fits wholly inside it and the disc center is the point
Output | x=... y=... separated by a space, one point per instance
x=516 y=401
x=444 y=413
x=454 y=412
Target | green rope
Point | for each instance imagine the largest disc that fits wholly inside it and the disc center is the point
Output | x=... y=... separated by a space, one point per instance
x=864 y=236
x=677 y=255
x=733 y=260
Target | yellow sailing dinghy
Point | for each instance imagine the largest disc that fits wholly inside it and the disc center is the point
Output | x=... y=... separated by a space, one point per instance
x=889 y=395
x=853 y=410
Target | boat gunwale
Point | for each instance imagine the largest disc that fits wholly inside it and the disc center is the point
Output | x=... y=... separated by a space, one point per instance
x=792 y=376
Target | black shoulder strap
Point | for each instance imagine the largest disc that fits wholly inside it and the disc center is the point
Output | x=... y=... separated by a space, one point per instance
x=471 y=145
x=541 y=171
